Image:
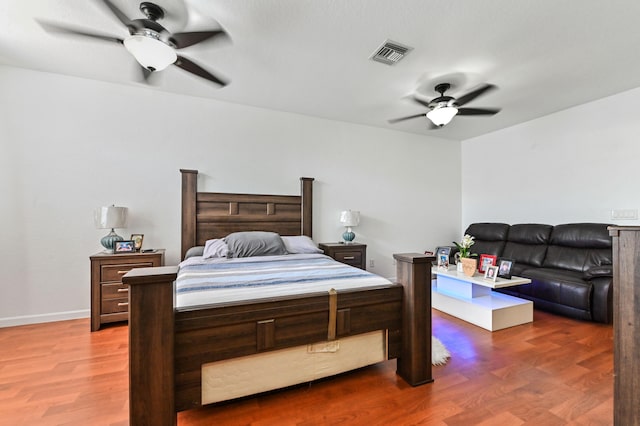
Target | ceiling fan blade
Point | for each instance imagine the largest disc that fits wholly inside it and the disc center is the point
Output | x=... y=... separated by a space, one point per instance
x=118 y=13
x=474 y=94
x=478 y=111
x=55 y=28
x=396 y=120
x=421 y=102
x=182 y=40
x=190 y=66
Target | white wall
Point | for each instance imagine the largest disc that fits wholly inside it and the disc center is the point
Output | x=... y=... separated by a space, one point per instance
x=572 y=166
x=69 y=145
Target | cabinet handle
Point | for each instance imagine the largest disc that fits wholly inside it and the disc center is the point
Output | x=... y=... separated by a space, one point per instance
x=123 y=272
x=349 y=257
x=123 y=304
x=123 y=290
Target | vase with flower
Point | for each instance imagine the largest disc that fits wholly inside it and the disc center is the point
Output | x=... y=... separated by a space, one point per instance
x=464 y=257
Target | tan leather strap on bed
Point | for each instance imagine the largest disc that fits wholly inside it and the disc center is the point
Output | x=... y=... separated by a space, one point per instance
x=333 y=314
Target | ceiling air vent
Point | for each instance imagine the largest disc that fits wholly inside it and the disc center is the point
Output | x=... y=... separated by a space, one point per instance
x=390 y=52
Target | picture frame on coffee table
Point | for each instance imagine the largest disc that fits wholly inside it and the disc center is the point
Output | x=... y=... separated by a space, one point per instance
x=443 y=261
x=505 y=266
x=485 y=261
x=491 y=273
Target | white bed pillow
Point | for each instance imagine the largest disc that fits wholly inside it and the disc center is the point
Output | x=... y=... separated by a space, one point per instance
x=215 y=248
x=300 y=244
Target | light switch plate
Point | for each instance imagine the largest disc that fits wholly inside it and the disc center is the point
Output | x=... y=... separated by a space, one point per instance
x=624 y=214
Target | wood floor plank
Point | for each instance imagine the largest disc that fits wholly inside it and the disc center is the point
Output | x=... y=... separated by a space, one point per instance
x=553 y=371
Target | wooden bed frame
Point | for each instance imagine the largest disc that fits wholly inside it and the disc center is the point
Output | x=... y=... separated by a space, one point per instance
x=168 y=346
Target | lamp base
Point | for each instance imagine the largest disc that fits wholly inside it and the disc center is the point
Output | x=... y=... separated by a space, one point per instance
x=348 y=237
x=109 y=241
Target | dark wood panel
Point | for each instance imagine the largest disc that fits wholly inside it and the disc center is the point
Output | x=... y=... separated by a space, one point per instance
x=207 y=231
x=626 y=325
x=221 y=197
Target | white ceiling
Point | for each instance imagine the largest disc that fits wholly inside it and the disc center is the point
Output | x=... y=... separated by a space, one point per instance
x=312 y=56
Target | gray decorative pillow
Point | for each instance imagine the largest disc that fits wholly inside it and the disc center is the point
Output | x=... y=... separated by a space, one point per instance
x=194 y=251
x=254 y=243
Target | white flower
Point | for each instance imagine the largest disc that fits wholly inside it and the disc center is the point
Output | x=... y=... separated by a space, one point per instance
x=467 y=241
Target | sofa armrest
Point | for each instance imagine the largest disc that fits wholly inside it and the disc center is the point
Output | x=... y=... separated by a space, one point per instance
x=598 y=271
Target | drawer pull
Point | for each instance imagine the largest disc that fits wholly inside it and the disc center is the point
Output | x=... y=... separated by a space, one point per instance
x=349 y=257
x=123 y=304
x=123 y=290
x=123 y=272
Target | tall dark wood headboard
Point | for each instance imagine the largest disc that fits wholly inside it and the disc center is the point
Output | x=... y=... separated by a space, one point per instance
x=207 y=215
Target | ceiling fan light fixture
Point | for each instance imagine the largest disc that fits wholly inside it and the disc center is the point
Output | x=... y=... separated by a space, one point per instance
x=442 y=115
x=152 y=53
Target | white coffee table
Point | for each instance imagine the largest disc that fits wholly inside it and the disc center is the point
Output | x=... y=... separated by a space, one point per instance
x=471 y=299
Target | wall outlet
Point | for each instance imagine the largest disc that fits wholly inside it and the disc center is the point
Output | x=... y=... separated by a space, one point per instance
x=624 y=214
x=372 y=263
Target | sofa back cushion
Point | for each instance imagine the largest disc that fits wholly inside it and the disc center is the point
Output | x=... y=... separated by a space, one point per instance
x=527 y=243
x=579 y=246
x=489 y=237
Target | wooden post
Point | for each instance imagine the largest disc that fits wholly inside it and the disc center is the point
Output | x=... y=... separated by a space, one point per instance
x=189 y=189
x=306 y=192
x=151 y=346
x=414 y=273
x=626 y=325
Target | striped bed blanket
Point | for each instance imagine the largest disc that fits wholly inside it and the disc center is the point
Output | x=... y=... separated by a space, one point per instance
x=210 y=281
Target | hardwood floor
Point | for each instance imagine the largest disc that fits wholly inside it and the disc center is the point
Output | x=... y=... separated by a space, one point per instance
x=555 y=371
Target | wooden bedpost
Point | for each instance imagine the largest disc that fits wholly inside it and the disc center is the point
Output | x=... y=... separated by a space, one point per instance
x=306 y=191
x=151 y=346
x=414 y=273
x=189 y=189
x=626 y=324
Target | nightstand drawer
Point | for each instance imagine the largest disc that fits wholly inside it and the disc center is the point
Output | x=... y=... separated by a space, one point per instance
x=114 y=291
x=115 y=272
x=349 y=257
x=111 y=306
x=351 y=254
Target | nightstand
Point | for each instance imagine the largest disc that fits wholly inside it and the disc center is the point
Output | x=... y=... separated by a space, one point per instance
x=109 y=297
x=353 y=254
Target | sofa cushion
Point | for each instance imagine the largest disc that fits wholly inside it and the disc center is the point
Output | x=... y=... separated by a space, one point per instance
x=582 y=235
x=578 y=246
x=527 y=244
x=558 y=286
x=489 y=237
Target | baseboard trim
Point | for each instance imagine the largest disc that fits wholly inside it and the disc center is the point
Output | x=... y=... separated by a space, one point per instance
x=36 y=319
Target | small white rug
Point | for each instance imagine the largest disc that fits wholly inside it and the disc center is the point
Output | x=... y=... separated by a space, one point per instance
x=439 y=354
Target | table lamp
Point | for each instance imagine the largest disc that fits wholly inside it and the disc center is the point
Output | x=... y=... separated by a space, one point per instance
x=349 y=219
x=110 y=217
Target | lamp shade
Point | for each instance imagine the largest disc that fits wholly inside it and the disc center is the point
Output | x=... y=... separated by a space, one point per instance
x=150 y=52
x=350 y=218
x=110 y=217
x=442 y=115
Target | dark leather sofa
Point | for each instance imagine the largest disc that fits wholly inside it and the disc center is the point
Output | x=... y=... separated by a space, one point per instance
x=570 y=265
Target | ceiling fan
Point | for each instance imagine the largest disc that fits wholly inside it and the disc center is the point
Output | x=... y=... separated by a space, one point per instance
x=152 y=45
x=443 y=108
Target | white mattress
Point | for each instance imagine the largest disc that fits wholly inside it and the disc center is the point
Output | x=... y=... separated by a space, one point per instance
x=360 y=279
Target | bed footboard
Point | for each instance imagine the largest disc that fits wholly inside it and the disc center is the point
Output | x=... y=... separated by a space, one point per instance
x=153 y=330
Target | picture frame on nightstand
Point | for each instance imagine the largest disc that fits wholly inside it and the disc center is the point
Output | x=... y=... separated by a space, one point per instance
x=127 y=246
x=137 y=240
